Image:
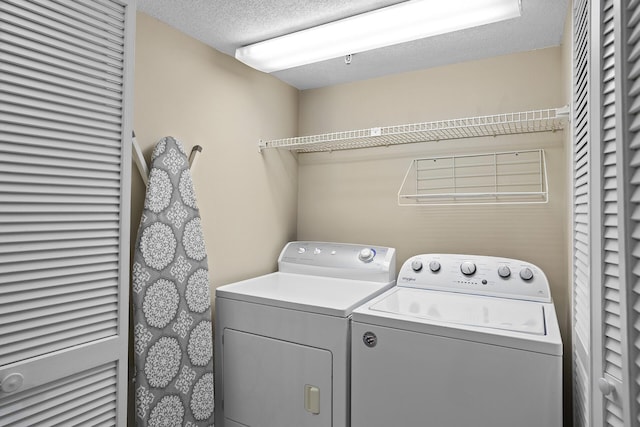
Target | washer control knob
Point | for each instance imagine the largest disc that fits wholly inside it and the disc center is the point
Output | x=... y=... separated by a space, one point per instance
x=434 y=266
x=367 y=255
x=301 y=250
x=504 y=271
x=416 y=265
x=468 y=268
x=526 y=274
x=317 y=251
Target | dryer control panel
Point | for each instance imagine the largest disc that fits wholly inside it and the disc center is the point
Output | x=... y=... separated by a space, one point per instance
x=476 y=274
x=341 y=260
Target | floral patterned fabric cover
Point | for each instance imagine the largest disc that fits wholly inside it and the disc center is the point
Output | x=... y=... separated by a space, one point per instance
x=171 y=299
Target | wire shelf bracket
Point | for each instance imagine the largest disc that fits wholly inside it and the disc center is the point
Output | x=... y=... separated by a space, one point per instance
x=549 y=120
x=512 y=177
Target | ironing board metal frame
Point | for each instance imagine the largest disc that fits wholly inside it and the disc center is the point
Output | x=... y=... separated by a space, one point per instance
x=141 y=163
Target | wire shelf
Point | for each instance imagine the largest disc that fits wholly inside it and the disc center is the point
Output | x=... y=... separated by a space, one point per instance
x=513 y=177
x=549 y=120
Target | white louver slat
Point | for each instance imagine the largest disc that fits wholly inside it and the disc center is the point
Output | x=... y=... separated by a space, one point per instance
x=581 y=318
x=64 y=189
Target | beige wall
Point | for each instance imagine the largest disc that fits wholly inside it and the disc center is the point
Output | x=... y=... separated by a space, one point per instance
x=252 y=203
x=352 y=195
x=247 y=200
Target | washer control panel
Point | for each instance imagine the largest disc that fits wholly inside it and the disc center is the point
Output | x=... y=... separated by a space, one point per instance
x=476 y=274
x=341 y=260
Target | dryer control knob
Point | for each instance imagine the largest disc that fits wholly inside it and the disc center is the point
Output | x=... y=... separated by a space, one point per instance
x=434 y=266
x=367 y=255
x=416 y=265
x=468 y=268
x=526 y=274
x=504 y=271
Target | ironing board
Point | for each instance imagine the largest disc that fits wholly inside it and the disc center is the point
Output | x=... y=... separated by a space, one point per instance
x=171 y=300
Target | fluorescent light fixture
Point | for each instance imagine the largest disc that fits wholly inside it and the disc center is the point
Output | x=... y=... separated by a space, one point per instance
x=399 y=23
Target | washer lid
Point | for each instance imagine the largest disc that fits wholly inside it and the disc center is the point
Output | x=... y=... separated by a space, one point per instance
x=323 y=295
x=497 y=313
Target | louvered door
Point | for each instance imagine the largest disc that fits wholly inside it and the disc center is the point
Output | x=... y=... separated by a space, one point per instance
x=581 y=318
x=630 y=163
x=65 y=77
x=606 y=391
x=609 y=362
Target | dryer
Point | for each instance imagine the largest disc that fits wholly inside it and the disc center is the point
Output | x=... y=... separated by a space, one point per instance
x=461 y=341
x=282 y=347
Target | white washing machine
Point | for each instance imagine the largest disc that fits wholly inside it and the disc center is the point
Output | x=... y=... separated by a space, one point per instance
x=282 y=347
x=461 y=341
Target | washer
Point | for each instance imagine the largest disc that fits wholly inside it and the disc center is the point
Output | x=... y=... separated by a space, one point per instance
x=461 y=341
x=282 y=345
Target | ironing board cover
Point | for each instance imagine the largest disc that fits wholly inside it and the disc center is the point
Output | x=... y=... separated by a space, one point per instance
x=171 y=300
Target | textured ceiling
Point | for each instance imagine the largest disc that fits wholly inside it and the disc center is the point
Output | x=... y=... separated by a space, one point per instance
x=226 y=25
